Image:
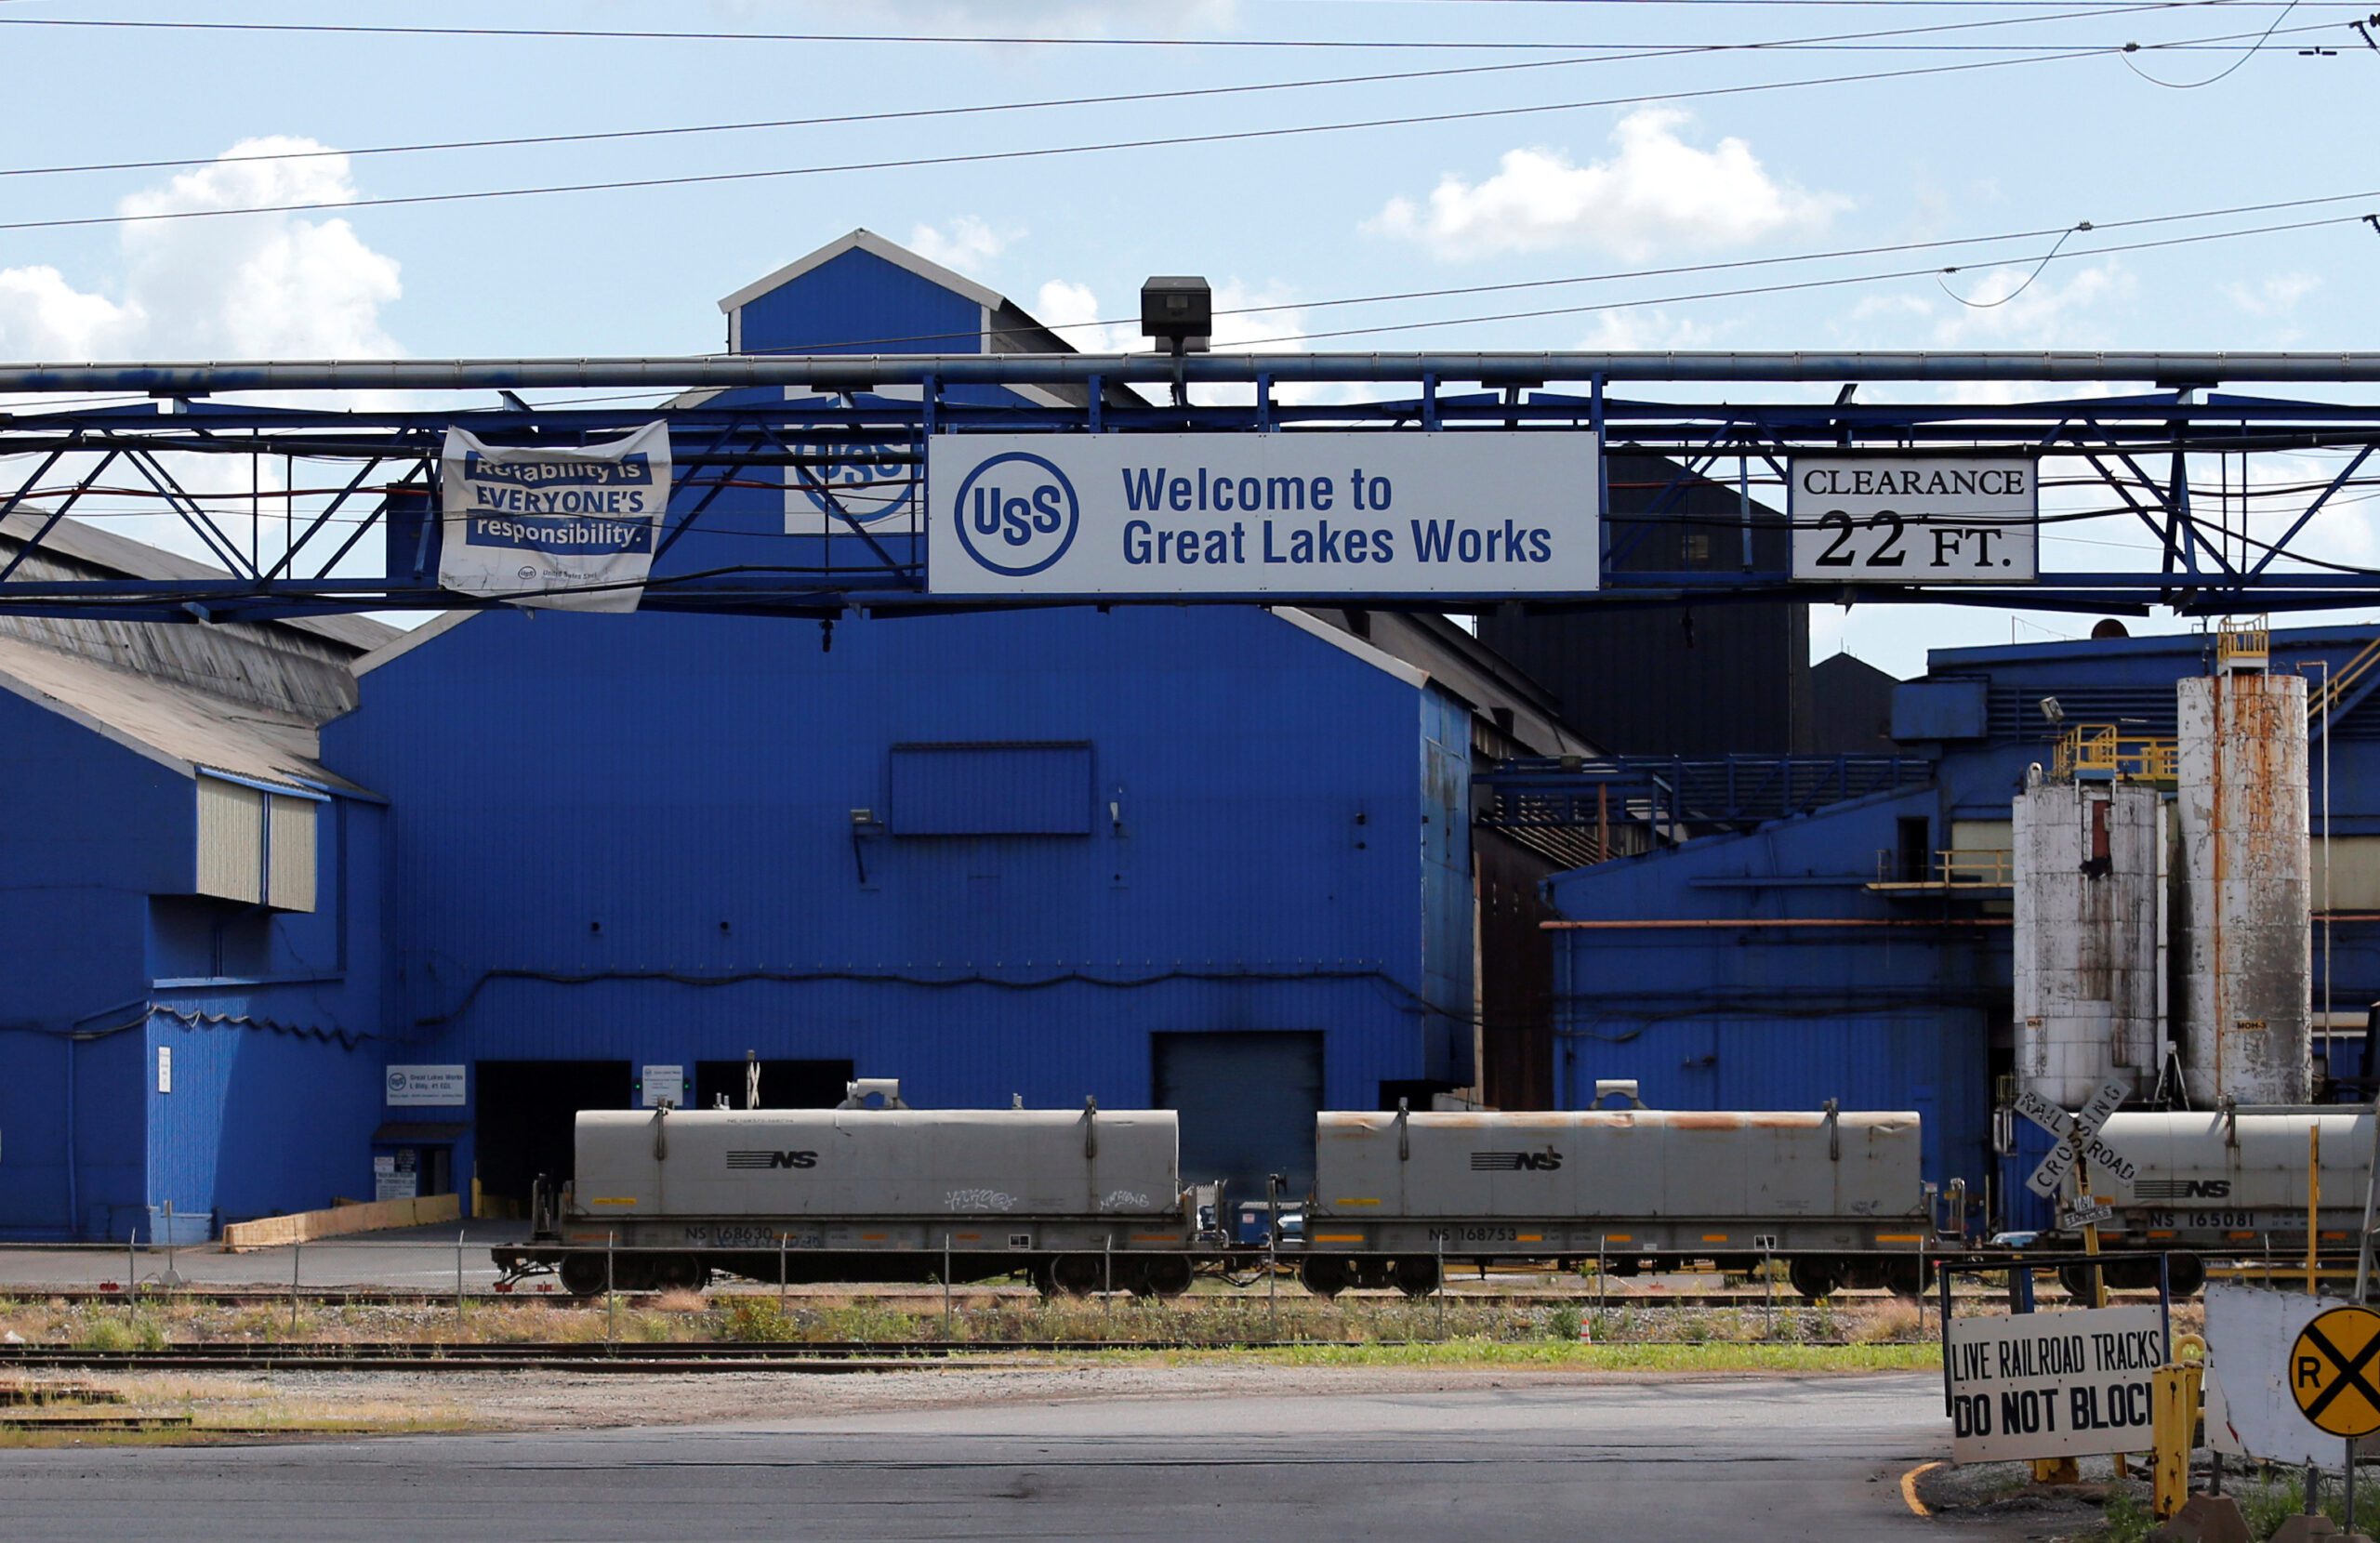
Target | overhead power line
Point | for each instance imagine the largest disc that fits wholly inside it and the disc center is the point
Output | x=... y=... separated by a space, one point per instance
x=1605 y=54
x=947 y=39
x=1052 y=151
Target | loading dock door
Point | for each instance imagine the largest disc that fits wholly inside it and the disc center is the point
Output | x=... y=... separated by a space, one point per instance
x=1247 y=1101
x=526 y=1110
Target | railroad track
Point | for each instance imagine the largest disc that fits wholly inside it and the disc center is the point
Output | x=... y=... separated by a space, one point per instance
x=637 y=1359
x=930 y=1300
x=824 y=1357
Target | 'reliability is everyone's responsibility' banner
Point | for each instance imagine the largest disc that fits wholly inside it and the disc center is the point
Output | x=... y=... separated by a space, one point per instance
x=567 y=528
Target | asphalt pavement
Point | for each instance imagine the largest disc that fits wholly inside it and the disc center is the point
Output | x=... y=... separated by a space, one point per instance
x=1815 y=1459
x=416 y=1259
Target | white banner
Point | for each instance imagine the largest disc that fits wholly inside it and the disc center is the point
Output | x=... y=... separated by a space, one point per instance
x=1914 y=519
x=1487 y=513
x=566 y=529
x=2052 y=1384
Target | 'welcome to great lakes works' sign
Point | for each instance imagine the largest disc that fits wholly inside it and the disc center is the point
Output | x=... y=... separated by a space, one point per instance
x=1490 y=512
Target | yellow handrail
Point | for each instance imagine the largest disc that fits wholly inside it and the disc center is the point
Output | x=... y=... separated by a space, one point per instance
x=2105 y=750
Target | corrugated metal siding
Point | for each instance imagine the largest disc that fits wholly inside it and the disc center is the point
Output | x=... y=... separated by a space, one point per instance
x=1262 y=872
x=230 y=840
x=990 y=789
x=1674 y=679
x=290 y=851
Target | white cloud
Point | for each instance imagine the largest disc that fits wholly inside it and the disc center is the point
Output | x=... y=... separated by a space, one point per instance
x=1655 y=191
x=2277 y=295
x=2009 y=305
x=44 y=317
x=1073 y=312
x=966 y=247
x=1655 y=330
x=245 y=286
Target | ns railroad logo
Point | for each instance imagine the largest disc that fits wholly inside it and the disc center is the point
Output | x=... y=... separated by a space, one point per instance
x=1016 y=514
x=736 y=1160
x=1515 y=1162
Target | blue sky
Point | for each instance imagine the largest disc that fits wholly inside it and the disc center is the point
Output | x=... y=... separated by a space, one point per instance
x=1676 y=175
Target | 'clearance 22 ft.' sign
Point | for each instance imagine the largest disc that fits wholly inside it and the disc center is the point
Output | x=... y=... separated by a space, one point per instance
x=1915 y=519
x=1487 y=512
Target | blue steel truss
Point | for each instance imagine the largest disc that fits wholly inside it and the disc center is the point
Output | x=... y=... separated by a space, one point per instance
x=2160 y=463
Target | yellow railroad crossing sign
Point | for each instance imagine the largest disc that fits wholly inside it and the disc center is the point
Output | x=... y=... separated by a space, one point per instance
x=2335 y=1371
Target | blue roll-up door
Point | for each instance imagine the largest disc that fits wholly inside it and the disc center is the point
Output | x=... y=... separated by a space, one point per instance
x=1247 y=1101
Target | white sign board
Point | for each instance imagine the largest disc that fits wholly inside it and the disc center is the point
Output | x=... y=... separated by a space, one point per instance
x=1491 y=512
x=566 y=529
x=2105 y=1162
x=664 y=1085
x=440 y=1086
x=388 y=1185
x=164 y=1068
x=2249 y=1332
x=2052 y=1384
x=1914 y=519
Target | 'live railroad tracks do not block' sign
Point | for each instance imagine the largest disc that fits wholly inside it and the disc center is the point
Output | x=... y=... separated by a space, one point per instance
x=2052 y=1384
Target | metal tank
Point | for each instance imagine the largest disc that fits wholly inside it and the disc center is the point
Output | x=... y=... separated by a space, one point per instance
x=2089 y=937
x=2246 y=863
x=1633 y=1181
x=2232 y=1180
x=886 y=1165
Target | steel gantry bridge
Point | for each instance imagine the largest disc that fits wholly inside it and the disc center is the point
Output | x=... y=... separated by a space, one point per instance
x=2201 y=482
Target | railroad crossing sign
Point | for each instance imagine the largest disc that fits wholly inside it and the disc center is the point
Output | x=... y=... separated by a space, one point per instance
x=2078 y=1138
x=2332 y=1371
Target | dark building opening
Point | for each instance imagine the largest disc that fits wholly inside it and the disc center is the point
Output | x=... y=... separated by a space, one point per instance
x=1247 y=1101
x=784 y=1083
x=526 y=1111
x=1914 y=860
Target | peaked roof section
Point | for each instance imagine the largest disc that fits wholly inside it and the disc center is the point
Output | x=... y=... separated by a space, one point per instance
x=238 y=697
x=184 y=729
x=121 y=555
x=876 y=246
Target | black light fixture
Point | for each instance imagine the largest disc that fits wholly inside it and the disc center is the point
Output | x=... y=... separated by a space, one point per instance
x=1179 y=311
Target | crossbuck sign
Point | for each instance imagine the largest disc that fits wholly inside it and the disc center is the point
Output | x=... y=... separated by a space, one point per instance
x=2078 y=1139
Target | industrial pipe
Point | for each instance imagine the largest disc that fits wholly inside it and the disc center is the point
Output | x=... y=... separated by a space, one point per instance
x=849 y=372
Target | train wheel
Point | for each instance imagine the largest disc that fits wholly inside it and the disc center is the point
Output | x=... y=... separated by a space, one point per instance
x=2185 y=1274
x=1324 y=1275
x=1166 y=1275
x=1074 y=1275
x=2076 y=1278
x=680 y=1273
x=1813 y=1278
x=582 y=1274
x=1415 y=1275
x=1907 y=1277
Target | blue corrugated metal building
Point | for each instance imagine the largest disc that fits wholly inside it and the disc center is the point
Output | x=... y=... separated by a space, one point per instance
x=1218 y=857
x=1806 y=960
x=190 y=910
x=1213 y=855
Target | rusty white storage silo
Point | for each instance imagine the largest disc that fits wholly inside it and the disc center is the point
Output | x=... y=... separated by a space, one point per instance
x=2246 y=926
x=2089 y=936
